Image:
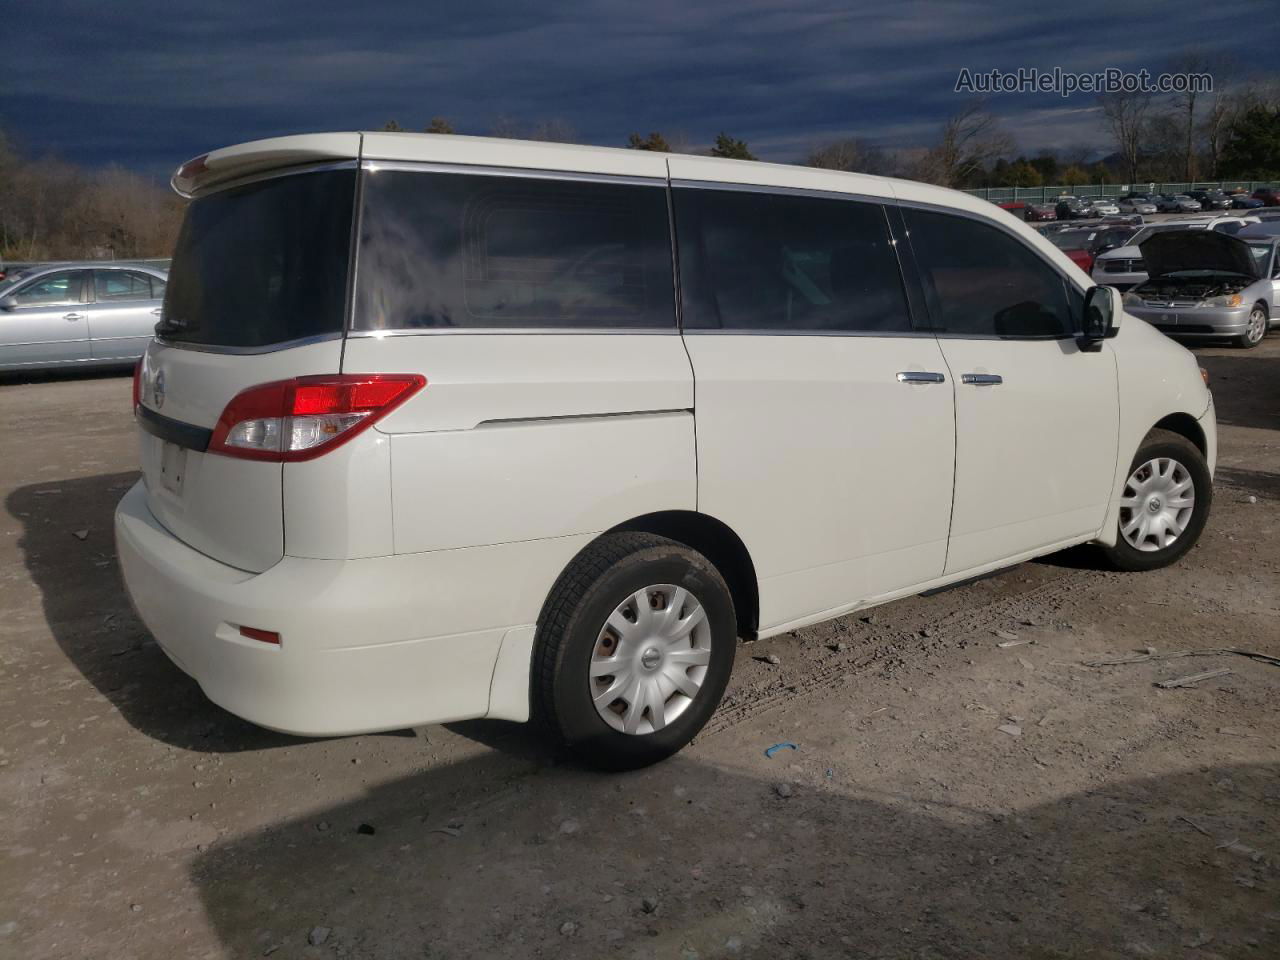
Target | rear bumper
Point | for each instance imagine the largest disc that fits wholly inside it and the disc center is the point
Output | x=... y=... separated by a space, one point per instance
x=366 y=645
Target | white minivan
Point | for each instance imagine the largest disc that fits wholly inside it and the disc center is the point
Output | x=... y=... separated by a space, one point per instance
x=441 y=427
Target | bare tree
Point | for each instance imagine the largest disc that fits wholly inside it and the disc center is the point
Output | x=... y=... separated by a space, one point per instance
x=506 y=126
x=1193 y=60
x=971 y=140
x=1126 y=115
x=439 y=125
x=850 y=154
x=554 y=130
x=53 y=210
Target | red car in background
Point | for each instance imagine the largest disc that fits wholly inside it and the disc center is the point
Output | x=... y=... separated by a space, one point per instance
x=1040 y=211
x=1268 y=196
x=1082 y=244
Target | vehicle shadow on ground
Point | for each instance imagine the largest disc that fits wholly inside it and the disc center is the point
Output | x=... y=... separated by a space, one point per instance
x=88 y=613
x=1259 y=482
x=482 y=860
x=1254 y=397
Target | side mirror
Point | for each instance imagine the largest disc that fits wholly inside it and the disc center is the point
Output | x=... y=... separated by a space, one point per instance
x=1101 y=319
x=8 y=303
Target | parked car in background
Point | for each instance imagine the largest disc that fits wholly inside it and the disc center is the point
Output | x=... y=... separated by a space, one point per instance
x=1265 y=215
x=1037 y=212
x=1083 y=244
x=1210 y=199
x=78 y=314
x=1075 y=244
x=1103 y=206
x=1137 y=203
x=1122 y=267
x=1111 y=237
x=1070 y=208
x=1015 y=207
x=1268 y=196
x=1176 y=203
x=1207 y=284
x=1242 y=201
x=1264 y=228
x=469 y=558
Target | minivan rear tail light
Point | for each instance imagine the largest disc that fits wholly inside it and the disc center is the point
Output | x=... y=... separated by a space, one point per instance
x=302 y=418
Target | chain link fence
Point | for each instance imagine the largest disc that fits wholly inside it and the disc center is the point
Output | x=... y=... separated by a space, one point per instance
x=1048 y=193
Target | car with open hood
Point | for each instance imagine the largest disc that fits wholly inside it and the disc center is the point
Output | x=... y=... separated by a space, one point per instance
x=1122 y=267
x=1205 y=284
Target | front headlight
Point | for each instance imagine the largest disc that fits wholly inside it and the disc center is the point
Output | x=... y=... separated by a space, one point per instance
x=1230 y=300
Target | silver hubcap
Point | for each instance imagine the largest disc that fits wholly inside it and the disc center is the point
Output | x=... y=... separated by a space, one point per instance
x=1257 y=325
x=1158 y=501
x=650 y=659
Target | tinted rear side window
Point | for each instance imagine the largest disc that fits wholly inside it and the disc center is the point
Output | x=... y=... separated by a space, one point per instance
x=792 y=264
x=262 y=264
x=980 y=281
x=445 y=250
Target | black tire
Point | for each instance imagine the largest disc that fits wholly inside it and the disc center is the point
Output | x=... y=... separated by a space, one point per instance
x=1157 y=445
x=602 y=576
x=1249 y=340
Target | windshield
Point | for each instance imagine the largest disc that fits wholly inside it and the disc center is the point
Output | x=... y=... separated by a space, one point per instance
x=1071 y=239
x=1261 y=256
x=10 y=281
x=1158 y=228
x=262 y=264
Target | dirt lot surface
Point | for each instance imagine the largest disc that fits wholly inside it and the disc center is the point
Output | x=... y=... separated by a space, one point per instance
x=952 y=794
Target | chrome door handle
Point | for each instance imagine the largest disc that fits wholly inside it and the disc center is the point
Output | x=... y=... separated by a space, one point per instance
x=72 y=317
x=155 y=312
x=918 y=376
x=981 y=379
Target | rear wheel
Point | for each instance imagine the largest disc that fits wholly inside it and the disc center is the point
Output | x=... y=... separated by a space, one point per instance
x=1257 y=328
x=1164 y=504
x=634 y=649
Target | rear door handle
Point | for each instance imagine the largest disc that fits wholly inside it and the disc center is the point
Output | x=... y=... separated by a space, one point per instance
x=919 y=376
x=73 y=316
x=981 y=379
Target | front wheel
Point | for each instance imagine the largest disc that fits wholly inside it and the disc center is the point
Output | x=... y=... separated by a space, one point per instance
x=1164 y=504
x=1257 y=328
x=633 y=650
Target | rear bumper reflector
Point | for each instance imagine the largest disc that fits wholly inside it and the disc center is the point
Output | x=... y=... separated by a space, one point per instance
x=266 y=636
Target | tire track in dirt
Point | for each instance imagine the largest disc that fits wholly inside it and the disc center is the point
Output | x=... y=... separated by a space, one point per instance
x=906 y=638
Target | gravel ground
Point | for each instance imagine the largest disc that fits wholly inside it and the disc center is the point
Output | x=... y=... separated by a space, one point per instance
x=964 y=785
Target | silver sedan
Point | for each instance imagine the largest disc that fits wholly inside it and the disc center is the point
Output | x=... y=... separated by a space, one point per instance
x=78 y=314
x=1206 y=284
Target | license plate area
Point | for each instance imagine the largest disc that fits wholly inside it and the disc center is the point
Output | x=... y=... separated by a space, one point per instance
x=173 y=467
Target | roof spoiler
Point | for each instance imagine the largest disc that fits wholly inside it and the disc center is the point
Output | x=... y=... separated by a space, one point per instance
x=208 y=170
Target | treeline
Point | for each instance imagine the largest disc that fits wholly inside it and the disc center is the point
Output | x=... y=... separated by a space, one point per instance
x=52 y=210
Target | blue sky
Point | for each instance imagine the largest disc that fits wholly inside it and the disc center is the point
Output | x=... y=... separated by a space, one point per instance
x=146 y=84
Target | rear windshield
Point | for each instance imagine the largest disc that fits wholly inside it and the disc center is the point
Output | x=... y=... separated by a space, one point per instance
x=262 y=264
